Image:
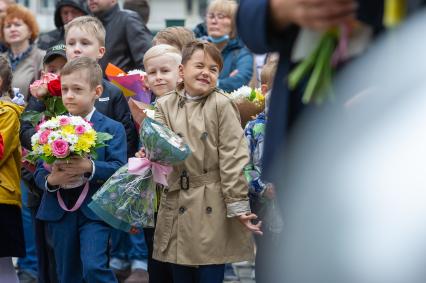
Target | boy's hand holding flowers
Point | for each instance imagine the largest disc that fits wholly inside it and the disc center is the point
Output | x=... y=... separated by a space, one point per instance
x=58 y=176
x=76 y=165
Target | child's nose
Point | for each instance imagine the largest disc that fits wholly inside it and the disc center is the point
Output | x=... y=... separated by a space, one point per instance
x=77 y=49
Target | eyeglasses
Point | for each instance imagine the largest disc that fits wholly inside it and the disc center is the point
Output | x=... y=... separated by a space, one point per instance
x=218 y=16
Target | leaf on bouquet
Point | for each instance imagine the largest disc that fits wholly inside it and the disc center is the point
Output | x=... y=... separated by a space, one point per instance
x=102 y=137
x=34 y=117
x=59 y=108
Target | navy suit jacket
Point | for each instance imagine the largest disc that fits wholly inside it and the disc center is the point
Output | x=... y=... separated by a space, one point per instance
x=260 y=35
x=110 y=158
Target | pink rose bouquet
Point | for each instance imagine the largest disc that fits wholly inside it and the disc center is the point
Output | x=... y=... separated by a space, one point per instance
x=48 y=90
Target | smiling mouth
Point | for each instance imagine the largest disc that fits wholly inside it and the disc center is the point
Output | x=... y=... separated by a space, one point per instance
x=203 y=81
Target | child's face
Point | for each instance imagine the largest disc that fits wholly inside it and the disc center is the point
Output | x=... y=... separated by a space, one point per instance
x=77 y=96
x=199 y=74
x=162 y=74
x=80 y=43
x=55 y=65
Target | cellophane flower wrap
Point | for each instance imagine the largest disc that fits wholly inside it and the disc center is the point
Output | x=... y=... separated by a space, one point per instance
x=132 y=83
x=250 y=102
x=128 y=200
x=48 y=90
x=64 y=136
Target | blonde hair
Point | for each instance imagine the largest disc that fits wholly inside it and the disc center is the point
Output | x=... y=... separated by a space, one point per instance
x=176 y=36
x=94 y=71
x=268 y=73
x=163 y=50
x=90 y=25
x=228 y=8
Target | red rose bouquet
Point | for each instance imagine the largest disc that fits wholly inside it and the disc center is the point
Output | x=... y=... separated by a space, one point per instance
x=48 y=90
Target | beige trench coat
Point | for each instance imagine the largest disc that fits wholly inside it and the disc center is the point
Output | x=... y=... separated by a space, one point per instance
x=196 y=222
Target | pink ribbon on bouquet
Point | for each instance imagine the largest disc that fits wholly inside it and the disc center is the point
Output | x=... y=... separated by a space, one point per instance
x=61 y=202
x=139 y=166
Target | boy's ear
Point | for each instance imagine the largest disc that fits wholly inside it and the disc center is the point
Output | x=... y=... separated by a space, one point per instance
x=101 y=52
x=181 y=72
x=98 y=91
x=264 y=89
x=145 y=81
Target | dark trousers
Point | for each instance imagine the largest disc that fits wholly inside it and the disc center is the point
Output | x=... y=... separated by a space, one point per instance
x=267 y=269
x=159 y=272
x=81 y=245
x=201 y=274
x=45 y=254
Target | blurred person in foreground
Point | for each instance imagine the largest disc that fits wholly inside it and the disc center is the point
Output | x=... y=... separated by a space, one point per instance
x=289 y=27
x=282 y=26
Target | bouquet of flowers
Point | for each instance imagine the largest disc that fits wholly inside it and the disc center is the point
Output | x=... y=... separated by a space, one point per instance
x=250 y=102
x=48 y=90
x=64 y=136
x=321 y=64
x=128 y=200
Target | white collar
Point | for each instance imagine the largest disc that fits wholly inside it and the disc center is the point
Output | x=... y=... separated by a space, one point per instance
x=193 y=98
x=89 y=116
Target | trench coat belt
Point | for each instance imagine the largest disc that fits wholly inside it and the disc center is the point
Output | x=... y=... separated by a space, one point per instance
x=195 y=181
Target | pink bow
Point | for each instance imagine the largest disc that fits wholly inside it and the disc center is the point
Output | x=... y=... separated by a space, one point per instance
x=139 y=166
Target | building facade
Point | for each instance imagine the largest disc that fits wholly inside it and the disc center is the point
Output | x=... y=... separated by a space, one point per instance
x=192 y=11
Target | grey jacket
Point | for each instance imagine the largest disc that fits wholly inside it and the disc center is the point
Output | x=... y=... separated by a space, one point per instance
x=27 y=71
x=127 y=39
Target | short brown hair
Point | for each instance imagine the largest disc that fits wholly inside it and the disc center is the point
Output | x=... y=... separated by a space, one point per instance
x=176 y=36
x=6 y=77
x=268 y=73
x=206 y=47
x=89 y=24
x=20 y=12
x=88 y=64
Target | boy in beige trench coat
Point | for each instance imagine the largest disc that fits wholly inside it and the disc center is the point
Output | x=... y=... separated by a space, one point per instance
x=204 y=220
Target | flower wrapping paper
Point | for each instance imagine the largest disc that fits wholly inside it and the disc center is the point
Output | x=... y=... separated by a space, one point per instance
x=128 y=201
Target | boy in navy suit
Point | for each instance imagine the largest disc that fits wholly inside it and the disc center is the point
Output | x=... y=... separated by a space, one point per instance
x=80 y=238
